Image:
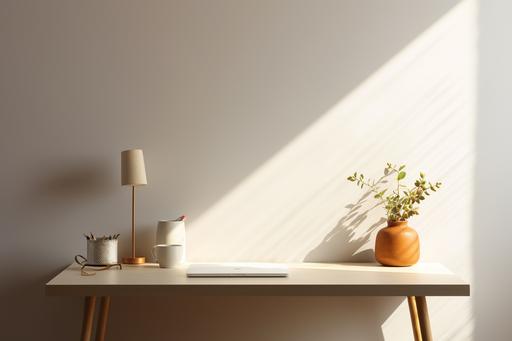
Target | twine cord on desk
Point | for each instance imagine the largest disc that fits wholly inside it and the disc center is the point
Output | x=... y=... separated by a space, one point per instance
x=83 y=264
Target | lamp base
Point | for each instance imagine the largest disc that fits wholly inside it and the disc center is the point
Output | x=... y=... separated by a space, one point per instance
x=134 y=260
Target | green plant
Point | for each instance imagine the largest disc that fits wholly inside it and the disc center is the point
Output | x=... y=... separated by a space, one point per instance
x=403 y=202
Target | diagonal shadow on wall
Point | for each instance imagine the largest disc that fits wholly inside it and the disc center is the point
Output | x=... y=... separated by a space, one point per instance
x=246 y=80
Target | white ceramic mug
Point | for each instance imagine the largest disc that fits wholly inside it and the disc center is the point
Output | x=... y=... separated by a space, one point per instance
x=172 y=232
x=168 y=256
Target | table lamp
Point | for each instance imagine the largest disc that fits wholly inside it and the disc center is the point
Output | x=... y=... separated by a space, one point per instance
x=133 y=173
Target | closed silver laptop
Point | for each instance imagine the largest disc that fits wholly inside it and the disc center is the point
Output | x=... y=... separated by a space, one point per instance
x=237 y=270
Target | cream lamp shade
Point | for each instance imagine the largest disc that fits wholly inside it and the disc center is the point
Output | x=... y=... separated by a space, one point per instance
x=133 y=172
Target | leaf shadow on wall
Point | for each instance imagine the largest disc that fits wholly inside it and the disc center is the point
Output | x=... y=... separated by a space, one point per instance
x=345 y=241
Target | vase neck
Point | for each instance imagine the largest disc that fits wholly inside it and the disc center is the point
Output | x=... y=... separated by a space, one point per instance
x=397 y=223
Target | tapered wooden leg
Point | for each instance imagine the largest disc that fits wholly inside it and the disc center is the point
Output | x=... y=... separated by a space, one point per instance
x=88 y=320
x=101 y=328
x=421 y=304
x=413 y=310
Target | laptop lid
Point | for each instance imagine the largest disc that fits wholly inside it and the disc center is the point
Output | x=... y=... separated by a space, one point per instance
x=237 y=270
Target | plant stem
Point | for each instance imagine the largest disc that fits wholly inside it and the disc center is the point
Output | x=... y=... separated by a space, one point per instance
x=374 y=189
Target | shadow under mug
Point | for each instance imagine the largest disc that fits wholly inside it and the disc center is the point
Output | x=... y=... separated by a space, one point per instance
x=168 y=255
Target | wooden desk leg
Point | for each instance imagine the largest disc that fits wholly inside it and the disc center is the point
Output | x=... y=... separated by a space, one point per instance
x=103 y=318
x=88 y=319
x=413 y=310
x=421 y=303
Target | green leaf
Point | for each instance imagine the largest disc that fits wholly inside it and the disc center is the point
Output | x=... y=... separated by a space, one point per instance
x=401 y=167
x=400 y=176
x=380 y=194
x=422 y=175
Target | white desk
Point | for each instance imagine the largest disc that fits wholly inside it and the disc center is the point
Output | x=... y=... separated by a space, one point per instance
x=305 y=279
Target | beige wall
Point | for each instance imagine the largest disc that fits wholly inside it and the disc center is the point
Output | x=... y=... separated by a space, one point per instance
x=250 y=114
x=492 y=233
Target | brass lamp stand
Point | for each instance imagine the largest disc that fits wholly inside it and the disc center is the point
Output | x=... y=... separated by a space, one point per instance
x=133 y=173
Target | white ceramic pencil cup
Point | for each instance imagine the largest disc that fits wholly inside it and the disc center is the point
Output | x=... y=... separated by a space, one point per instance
x=102 y=252
x=172 y=232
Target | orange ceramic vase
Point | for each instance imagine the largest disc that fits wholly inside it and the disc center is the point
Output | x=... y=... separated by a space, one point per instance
x=397 y=245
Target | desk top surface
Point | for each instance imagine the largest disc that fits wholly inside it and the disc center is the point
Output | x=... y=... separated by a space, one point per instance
x=305 y=279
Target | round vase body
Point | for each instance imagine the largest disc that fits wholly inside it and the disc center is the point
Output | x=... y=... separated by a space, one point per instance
x=397 y=245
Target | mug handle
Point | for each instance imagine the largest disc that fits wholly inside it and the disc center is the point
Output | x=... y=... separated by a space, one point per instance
x=153 y=254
